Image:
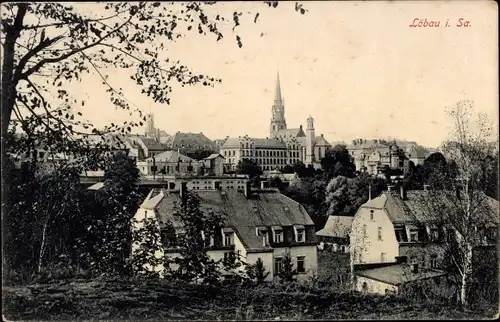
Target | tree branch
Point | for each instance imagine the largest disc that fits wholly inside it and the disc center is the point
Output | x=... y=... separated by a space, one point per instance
x=35 y=68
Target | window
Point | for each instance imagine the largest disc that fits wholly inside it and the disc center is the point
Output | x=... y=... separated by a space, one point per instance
x=382 y=257
x=228 y=239
x=301 y=235
x=364 y=231
x=401 y=234
x=171 y=185
x=301 y=264
x=278 y=236
x=434 y=234
x=371 y=214
x=413 y=235
x=278 y=265
x=433 y=261
x=379 y=233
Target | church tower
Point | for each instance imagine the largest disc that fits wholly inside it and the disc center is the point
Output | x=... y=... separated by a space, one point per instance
x=278 y=121
x=150 y=131
x=310 y=140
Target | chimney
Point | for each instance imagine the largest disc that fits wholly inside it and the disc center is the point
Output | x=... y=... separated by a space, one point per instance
x=426 y=187
x=248 y=189
x=403 y=192
x=414 y=268
x=183 y=190
x=370 y=191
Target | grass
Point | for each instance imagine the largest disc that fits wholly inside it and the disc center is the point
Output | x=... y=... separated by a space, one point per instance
x=132 y=299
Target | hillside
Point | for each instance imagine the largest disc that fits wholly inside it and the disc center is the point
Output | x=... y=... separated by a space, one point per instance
x=120 y=299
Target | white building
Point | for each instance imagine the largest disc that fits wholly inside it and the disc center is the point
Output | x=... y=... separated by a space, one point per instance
x=283 y=146
x=397 y=228
x=260 y=224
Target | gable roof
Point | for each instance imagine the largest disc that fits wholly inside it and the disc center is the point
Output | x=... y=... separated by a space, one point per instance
x=265 y=208
x=321 y=141
x=296 y=132
x=213 y=156
x=337 y=226
x=188 y=140
x=170 y=156
x=421 y=206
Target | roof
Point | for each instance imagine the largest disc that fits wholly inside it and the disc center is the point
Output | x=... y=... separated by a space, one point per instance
x=269 y=144
x=295 y=132
x=190 y=140
x=425 y=206
x=399 y=274
x=321 y=141
x=152 y=144
x=267 y=208
x=337 y=226
x=96 y=186
x=213 y=156
x=170 y=156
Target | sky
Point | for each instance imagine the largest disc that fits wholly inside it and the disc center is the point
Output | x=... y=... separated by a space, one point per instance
x=356 y=67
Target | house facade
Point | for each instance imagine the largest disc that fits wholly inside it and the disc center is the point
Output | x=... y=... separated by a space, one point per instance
x=397 y=229
x=258 y=224
x=335 y=234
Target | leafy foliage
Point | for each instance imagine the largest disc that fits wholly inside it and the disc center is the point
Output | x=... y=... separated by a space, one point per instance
x=197 y=228
x=257 y=272
x=338 y=162
x=287 y=272
x=248 y=167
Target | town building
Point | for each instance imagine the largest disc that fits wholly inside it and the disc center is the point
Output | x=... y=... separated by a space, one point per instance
x=374 y=156
x=214 y=164
x=284 y=146
x=169 y=162
x=397 y=228
x=335 y=233
x=261 y=223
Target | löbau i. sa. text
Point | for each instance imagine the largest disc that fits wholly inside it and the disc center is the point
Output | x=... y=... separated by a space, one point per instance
x=428 y=23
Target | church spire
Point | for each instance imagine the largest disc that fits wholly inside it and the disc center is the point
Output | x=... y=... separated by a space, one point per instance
x=277 y=94
x=278 y=121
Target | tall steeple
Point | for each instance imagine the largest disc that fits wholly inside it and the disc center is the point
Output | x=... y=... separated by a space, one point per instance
x=277 y=92
x=278 y=121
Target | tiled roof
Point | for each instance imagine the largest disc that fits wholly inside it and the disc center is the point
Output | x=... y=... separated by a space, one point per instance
x=170 y=156
x=191 y=141
x=152 y=144
x=269 y=144
x=418 y=206
x=231 y=143
x=321 y=141
x=337 y=226
x=399 y=274
x=296 y=132
x=213 y=156
x=244 y=215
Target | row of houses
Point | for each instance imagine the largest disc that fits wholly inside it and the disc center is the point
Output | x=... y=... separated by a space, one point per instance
x=393 y=241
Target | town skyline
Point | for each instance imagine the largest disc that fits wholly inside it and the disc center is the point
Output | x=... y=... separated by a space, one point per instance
x=358 y=84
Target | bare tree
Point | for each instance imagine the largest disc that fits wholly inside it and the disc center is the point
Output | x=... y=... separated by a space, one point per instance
x=458 y=200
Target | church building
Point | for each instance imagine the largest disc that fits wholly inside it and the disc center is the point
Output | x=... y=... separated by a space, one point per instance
x=284 y=146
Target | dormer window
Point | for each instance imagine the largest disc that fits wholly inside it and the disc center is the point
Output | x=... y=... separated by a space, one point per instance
x=300 y=233
x=228 y=236
x=277 y=234
x=262 y=233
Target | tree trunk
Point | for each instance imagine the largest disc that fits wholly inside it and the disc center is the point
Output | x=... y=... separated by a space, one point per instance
x=42 y=245
x=466 y=276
